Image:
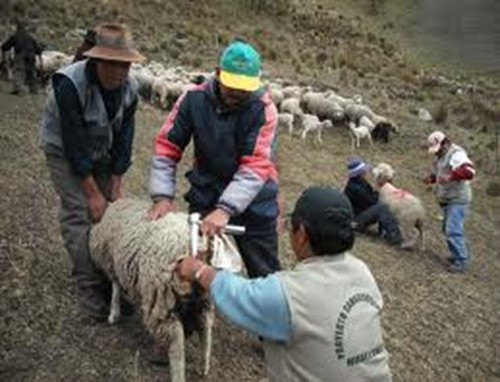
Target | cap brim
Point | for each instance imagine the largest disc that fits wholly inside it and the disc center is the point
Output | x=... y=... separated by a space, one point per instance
x=359 y=171
x=111 y=54
x=434 y=148
x=239 y=82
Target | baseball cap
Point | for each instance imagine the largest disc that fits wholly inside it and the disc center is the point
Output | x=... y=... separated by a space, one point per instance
x=326 y=212
x=240 y=67
x=434 y=141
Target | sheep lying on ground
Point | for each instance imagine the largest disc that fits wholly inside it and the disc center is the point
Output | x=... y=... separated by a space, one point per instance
x=406 y=207
x=139 y=256
x=359 y=132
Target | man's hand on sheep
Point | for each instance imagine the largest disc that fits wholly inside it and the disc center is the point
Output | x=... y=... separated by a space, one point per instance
x=116 y=187
x=161 y=208
x=191 y=269
x=214 y=222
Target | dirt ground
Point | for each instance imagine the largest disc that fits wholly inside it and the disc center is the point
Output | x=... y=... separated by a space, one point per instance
x=438 y=326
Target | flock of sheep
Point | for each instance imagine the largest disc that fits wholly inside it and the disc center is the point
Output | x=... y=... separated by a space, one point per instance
x=300 y=107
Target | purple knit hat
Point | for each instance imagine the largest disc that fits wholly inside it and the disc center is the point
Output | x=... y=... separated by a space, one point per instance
x=356 y=167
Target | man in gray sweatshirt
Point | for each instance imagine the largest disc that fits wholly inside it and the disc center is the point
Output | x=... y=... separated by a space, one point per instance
x=321 y=320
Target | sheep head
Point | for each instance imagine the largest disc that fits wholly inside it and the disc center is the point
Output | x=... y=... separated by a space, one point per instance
x=383 y=173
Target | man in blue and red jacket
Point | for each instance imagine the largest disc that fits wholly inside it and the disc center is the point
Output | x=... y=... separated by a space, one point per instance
x=232 y=121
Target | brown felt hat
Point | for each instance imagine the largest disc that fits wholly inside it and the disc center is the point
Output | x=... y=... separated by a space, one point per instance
x=114 y=43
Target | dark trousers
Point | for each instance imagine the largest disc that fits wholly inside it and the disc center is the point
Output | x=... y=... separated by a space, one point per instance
x=93 y=288
x=388 y=226
x=24 y=72
x=259 y=253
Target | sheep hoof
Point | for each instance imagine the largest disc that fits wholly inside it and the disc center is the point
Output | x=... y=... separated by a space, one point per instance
x=113 y=318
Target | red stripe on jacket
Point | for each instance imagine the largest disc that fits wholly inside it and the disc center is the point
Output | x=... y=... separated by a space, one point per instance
x=260 y=161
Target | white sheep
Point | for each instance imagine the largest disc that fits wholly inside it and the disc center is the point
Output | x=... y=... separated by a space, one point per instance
x=342 y=101
x=365 y=121
x=292 y=92
x=144 y=79
x=292 y=106
x=165 y=92
x=311 y=122
x=382 y=125
x=276 y=94
x=317 y=104
x=359 y=132
x=286 y=120
x=52 y=61
x=406 y=207
x=139 y=256
x=355 y=111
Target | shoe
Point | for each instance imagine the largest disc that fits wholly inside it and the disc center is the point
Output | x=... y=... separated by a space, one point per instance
x=457 y=268
x=93 y=305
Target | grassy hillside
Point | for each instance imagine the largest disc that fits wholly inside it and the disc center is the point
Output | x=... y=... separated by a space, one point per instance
x=340 y=44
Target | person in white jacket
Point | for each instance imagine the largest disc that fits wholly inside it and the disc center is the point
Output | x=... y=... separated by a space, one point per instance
x=319 y=321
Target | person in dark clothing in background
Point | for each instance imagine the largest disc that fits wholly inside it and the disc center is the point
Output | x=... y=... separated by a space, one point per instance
x=26 y=48
x=87 y=134
x=89 y=41
x=365 y=203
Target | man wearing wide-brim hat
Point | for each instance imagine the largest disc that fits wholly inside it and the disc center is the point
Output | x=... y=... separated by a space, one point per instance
x=232 y=120
x=87 y=133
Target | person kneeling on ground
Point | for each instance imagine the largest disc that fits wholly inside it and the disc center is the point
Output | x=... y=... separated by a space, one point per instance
x=319 y=321
x=366 y=206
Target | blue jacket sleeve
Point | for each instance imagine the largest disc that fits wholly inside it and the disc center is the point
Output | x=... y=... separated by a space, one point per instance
x=257 y=305
x=75 y=137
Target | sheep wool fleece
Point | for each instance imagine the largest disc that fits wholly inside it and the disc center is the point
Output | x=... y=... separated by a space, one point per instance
x=140 y=255
x=335 y=309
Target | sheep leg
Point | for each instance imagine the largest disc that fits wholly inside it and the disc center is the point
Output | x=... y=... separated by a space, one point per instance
x=320 y=140
x=206 y=339
x=304 y=132
x=290 y=128
x=370 y=139
x=357 y=141
x=420 y=229
x=352 y=141
x=409 y=241
x=114 y=310
x=176 y=352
